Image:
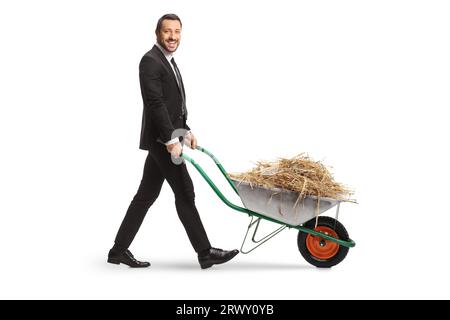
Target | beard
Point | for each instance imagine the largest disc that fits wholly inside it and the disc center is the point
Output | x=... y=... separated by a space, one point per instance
x=170 y=45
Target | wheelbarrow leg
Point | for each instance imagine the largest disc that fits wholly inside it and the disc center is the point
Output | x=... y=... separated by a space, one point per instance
x=259 y=242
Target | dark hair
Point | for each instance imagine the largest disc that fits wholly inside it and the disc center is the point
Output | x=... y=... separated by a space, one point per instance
x=169 y=16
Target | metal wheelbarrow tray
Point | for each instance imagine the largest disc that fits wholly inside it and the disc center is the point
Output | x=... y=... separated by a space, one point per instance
x=283 y=205
x=322 y=240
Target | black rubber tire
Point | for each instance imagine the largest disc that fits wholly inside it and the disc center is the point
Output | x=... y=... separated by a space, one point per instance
x=338 y=228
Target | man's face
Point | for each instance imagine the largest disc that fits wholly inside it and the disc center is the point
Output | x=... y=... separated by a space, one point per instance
x=170 y=34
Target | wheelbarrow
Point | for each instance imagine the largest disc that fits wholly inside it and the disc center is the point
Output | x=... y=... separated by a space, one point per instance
x=322 y=240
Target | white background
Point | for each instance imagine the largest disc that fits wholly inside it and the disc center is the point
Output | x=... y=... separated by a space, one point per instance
x=361 y=85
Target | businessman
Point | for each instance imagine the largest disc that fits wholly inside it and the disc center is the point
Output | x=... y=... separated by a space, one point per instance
x=164 y=111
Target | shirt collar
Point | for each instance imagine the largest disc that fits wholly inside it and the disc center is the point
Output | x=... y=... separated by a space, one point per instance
x=166 y=53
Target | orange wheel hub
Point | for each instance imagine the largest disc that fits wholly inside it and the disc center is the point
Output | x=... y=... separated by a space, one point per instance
x=320 y=248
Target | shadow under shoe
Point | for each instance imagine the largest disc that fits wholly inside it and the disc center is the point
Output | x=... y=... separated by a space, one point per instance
x=216 y=256
x=126 y=258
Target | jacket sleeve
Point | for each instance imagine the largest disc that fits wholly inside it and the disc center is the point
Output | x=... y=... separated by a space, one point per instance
x=152 y=93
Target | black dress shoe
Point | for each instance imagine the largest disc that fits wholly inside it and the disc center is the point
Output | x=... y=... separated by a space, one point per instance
x=128 y=259
x=216 y=256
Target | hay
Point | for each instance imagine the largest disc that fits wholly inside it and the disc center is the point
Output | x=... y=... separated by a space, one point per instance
x=300 y=174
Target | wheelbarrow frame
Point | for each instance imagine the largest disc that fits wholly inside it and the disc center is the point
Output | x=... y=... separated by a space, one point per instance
x=255 y=216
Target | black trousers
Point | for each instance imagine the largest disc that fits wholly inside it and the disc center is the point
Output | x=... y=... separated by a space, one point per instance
x=159 y=167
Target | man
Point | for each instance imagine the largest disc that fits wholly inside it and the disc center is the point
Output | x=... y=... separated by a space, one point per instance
x=164 y=111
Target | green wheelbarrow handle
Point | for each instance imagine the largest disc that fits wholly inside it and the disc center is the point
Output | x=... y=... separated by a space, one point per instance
x=350 y=243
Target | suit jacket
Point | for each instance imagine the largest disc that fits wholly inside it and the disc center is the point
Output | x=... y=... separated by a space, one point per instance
x=162 y=99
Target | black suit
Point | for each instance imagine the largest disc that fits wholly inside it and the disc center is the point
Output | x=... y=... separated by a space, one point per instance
x=162 y=99
x=163 y=112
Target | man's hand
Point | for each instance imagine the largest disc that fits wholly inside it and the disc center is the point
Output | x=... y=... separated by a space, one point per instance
x=175 y=149
x=191 y=140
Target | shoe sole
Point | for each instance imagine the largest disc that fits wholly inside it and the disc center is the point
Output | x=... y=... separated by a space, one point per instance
x=114 y=261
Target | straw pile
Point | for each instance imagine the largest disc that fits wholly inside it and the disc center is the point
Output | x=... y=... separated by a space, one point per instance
x=300 y=174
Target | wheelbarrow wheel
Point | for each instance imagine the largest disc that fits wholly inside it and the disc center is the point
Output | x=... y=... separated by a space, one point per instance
x=318 y=251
